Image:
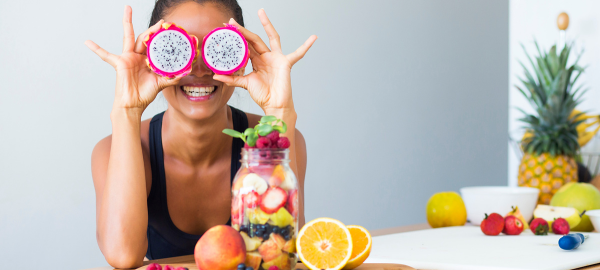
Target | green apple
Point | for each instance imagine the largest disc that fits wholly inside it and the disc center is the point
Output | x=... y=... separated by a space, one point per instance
x=581 y=196
x=550 y=213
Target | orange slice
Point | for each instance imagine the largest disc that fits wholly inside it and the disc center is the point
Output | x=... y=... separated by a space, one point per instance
x=361 y=246
x=324 y=243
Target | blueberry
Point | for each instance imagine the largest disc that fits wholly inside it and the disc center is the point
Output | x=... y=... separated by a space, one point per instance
x=243 y=228
x=287 y=237
x=266 y=236
x=241 y=266
x=249 y=268
x=261 y=226
x=276 y=230
x=284 y=231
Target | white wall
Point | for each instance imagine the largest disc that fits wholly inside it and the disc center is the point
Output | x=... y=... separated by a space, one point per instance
x=397 y=100
x=531 y=19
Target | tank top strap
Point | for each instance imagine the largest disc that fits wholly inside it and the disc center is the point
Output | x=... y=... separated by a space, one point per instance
x=240 y=124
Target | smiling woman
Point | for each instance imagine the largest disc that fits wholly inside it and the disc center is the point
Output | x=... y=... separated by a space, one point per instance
x=161 y=183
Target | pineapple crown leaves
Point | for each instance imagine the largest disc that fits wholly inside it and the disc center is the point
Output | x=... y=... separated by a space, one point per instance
x=266 y=125
x=553 y=97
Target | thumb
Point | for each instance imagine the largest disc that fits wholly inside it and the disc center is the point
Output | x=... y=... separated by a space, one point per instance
x=165 y=82
x=237 y=81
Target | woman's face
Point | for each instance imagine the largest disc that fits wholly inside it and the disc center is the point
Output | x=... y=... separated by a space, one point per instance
x=198 y=20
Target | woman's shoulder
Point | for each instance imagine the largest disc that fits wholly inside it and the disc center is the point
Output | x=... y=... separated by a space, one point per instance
x=103 y=146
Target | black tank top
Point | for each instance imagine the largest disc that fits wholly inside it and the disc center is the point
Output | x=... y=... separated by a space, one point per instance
x=164 y=238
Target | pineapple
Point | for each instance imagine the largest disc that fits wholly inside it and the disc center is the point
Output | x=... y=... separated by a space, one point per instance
x=550 y=148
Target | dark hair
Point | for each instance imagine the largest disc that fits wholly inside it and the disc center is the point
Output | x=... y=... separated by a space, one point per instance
x=162 y=7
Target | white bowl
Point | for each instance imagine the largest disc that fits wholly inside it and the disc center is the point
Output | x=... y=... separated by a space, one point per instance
x=486 y=200
x=595 y=218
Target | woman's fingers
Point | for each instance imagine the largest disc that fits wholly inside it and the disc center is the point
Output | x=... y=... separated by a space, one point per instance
x=252 y=38
x=128 y=36
x=301 y=51
x=237 y=81
x=139 y=43
x=104 y=55
x=271 y=33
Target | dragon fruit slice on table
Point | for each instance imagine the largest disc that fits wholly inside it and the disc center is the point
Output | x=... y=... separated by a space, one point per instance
x=171 y=51
x=225 y=50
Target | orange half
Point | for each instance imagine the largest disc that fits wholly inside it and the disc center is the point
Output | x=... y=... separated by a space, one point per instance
x=361 y=246
x=324 y=243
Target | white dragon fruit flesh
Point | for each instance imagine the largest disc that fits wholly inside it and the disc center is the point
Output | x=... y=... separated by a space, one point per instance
x=225 y=50
x=171 y=51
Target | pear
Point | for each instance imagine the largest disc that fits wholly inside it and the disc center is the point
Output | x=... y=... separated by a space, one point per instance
x=550 y=213
x=517 y=213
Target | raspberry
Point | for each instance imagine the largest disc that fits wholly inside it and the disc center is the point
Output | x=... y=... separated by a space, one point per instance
x=263 y=143
x=154 y=266
x=273 y=136
x=168 y=267
x=274 y=267
x=248 y=146
x=283 y=142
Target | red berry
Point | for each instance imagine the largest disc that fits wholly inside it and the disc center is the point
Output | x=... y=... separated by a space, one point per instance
x=251 y=199
x=248 y=146
x=539 y=226
x=273 y=199
x=292 y=203
x=263 y=143
x=512 y=226
x=283 y=142
x=273 y=136
x=492 y=224
x=154 y=266
x=168 y=267
x=274 y=267
x=561 y=226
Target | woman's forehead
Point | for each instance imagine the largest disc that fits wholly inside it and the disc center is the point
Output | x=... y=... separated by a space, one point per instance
x=198 y=19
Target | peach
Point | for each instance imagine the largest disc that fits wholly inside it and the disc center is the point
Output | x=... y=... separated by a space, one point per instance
x=220 y=248
x=282 y=261
x=278 y=239
x=253 y=259
x=269 y=249
x=289 y=246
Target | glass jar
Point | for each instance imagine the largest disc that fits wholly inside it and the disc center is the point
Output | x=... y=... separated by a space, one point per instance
x=265 y=208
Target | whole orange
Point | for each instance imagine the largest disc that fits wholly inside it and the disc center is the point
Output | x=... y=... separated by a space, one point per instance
x=446 y=209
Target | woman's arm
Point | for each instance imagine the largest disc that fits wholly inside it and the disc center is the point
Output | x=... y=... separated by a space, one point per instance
x=118 y=165
x=270 y=86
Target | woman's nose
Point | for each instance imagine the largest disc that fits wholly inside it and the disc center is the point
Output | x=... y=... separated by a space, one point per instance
x=199 y=68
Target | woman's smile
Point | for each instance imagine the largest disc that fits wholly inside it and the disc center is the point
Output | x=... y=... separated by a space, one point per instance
x=198 y=92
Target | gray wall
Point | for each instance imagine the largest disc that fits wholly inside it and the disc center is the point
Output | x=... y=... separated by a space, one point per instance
x=397 y=100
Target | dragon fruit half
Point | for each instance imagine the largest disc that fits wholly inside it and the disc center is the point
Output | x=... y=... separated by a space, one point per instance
x=225 y=50
x=171 y=51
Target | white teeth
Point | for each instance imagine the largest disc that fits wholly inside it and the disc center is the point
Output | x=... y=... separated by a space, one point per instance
x=198 y=91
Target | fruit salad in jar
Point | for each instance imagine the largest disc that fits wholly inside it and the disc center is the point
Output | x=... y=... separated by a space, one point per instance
x=265 y=197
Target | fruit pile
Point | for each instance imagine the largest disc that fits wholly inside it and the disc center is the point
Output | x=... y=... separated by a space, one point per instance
x=265 y=197
x=265 y=135
x=558 y=220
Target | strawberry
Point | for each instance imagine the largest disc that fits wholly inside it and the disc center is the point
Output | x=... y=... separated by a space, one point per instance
x=560 y=226
x=513 y=225
x=251 y=199
x=237 y=211
x=292 y=203
x=492 y=224
x=273 y=199
x=539 y=226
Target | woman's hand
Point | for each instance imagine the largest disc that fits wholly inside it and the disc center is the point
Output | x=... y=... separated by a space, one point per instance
x=137 y=85
x=269 y=83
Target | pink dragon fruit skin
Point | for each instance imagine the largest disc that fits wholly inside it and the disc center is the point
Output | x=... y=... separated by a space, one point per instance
x=193 y=47
x=235 y=66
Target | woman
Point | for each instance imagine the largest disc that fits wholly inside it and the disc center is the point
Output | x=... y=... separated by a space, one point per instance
x=161 y=183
